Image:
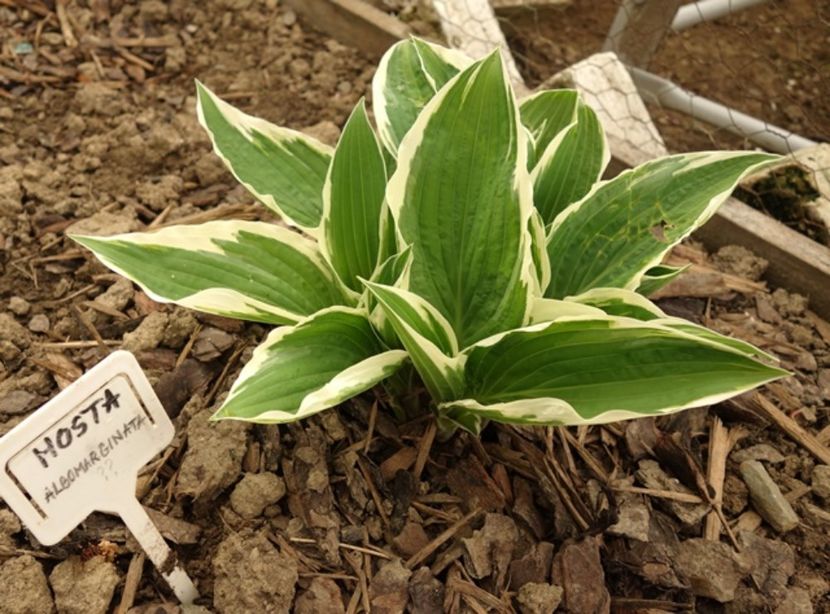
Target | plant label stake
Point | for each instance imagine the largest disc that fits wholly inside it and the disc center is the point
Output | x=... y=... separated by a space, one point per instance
x=81 y=452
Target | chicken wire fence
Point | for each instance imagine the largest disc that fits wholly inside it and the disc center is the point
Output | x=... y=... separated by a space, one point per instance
x=710 y=74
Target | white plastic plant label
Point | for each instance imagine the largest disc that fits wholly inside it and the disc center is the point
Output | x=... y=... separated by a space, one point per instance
x=81 y=452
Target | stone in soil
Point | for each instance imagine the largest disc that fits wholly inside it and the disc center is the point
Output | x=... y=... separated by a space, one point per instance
x=23 y=587
x=767 y=498
x=532 y=567
x=712 y=568
x=651 y=475
x=737 y=260
x=39 y=323
x=536 y=598
x=772 y=562
x=577 y=568
x=19 y=306
x=820 y=481
x=117 y=296
x=251 y=575
x=9 y=526
x=210 y=343
x=84 y=587
x=411 y=539
x=758 y=452
x=18 y=402
x=322 y=596
x=389 y=589
x=148 y=334
x=633 y=518
x=255 y=492
x=469 y=480
x=213 y=459
x=490 y=549
x=797 y=601
x=426 y=593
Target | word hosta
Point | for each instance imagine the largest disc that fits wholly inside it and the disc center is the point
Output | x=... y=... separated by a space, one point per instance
x=469 y=237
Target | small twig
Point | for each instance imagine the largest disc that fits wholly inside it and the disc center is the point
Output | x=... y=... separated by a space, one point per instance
x=716 y=474
x=66 y=27
x=424 y=448
x=793 y=429
x=373 y=491
x=370 y=432
x=73 y=345
x=131 y=582
x=91 y=328
x=424 y=553
x=671 y=495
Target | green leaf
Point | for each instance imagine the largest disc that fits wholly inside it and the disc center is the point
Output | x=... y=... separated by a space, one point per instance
x=625 y=226
x=247 y=270
x=629 y=304
x=426 y=336
x=585 y=370
x=545 y=114
x=408 y=76
x=538 y=244
x=658 y=277
x=462 y=199
x=353 y=201
x=570 y=165
x=282 y=168
x=301 y=370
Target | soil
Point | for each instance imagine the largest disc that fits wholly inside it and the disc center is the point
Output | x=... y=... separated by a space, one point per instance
x=770 y=61
x=348 y=510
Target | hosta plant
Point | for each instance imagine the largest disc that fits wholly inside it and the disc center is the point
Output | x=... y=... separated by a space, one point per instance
x=466 y=234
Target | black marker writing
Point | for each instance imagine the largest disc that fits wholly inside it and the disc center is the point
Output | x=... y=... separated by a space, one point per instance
x=64 y=437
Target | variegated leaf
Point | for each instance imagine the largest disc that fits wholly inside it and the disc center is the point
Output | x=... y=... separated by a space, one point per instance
x=408 y=76
x=353 y=201
x=462 y=199
x=248 y=270
x=629 y=304
x=572 y=163
x=303 y=369
x=427 y=337
x=284 y=169
x=546 y=114
x=658 y=277
x=625 y=226
x=594 y=370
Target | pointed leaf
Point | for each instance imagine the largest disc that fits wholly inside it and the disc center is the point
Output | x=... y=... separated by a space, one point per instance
x=582 y=371
x=629 y=304
x=426 y=336
x=301 y=370
x=570 y=166
x=408 y=76
x=658 y=277
x=247 y=270
x=462 y=199
x=626 y=225
x=282 y=168
x=538 y=244
x=353 y=201
x=545 y=114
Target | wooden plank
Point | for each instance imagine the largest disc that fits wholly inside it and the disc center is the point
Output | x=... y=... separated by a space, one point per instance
x=638 y=29
x=353 y=23
x=795 y=262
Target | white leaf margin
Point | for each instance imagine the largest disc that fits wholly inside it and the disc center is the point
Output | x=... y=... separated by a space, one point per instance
x=343 y=386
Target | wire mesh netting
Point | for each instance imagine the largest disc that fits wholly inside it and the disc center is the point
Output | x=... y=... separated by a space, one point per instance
x=713 y=74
